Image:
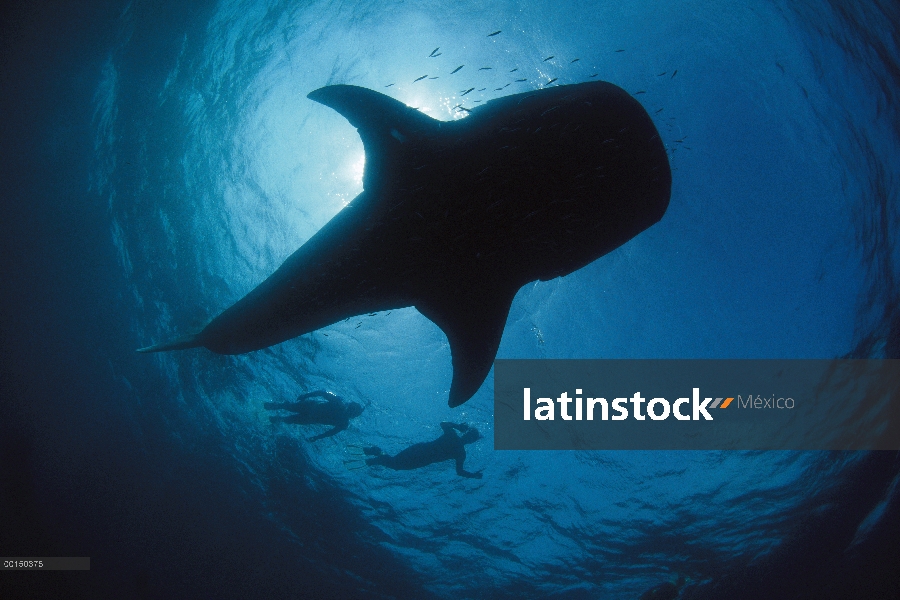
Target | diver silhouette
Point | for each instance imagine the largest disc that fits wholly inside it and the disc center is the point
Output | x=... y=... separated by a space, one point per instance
x=334 y=410
x=447 y=447
x=669 y=590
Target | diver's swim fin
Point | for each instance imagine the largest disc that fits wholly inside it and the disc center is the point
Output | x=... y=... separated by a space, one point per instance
x=186 y=341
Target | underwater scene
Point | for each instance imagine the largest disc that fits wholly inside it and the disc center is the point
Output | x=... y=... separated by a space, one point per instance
x=163 y=159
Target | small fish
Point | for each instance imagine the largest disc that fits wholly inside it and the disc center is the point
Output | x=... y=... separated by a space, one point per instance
x=574 y=60
x=454 y=108
x=433 y=52
x=663 y=73
x=482 y=89
x=476 y=100
x=389 y=85
x=622 y=50
x=520 y=80
x=467 y=91
x=498 y=89
x=548 y=58
x=456 y=69
x=514 y=70
x=372 y=314
x=430 y=78
x=357 y=326
x=464 y=109
x=495 y=33
x=640 y=92
x=421 y=78
x=388 y=312
x=551 y=81
x=674 y=73
x=485 y=68
x=657 y=112
x=507 y=85
x=325 y=334
x=594 y=75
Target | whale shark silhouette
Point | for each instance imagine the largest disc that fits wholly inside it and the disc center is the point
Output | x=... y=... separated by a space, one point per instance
x=456 y=216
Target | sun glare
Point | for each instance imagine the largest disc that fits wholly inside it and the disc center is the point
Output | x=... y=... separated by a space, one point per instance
x=356 y=169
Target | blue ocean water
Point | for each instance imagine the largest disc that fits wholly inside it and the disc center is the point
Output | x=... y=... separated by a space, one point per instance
x=160 y=160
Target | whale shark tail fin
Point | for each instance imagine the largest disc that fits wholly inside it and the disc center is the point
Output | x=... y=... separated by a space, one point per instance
x=186 y=341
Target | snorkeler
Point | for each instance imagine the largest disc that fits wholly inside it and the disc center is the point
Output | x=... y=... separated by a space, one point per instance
x=447 y=447
x=332 y=411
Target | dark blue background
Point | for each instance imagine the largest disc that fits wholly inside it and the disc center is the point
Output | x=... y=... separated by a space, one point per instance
x=158 y=160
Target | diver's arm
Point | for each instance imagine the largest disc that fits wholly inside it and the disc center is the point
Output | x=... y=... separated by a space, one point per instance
x=328 y=396
x=335 y=430
x=448 y=427
x=462 y=472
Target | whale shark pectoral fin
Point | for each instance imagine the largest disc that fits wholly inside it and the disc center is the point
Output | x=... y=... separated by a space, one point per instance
x=386 y=126
x=186 y=341
x=374 y=113
x=474 y=331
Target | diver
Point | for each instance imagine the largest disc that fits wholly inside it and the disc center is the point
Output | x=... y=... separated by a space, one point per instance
x=449 y=446
x=332 y=410
x=669 y=590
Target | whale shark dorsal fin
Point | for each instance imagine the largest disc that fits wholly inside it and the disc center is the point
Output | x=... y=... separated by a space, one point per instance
x=375 y=114
x=473 y=329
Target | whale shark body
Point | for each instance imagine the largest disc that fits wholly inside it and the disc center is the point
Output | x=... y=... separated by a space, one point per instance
x=456 y=216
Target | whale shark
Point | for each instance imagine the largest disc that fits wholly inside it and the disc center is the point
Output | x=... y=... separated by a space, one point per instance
x=456 y=216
